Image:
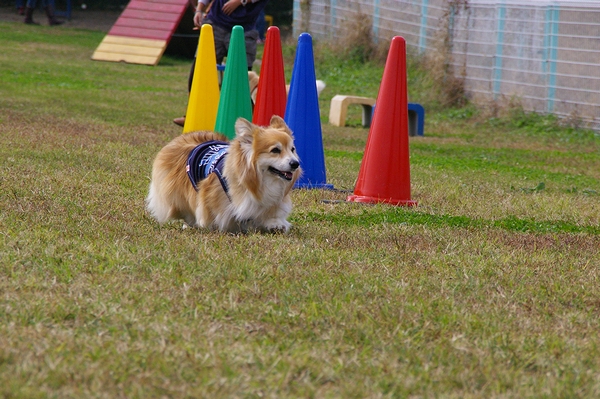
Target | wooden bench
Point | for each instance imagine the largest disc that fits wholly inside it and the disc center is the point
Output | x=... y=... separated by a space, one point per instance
x=339 y=109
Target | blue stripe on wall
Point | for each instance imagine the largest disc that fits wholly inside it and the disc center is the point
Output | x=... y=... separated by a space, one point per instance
x=499 y=48
x=376 y=21
x=423 y=30
x=332 y=15
x=297 y=16
x=551 y=52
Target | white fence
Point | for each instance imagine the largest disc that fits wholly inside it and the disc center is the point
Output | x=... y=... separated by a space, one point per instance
x=545 y=53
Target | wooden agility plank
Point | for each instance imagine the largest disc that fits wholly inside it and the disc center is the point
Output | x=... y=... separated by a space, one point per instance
x=151 y=6
x=165 y=1
x=132 y=41
x=133 y=50
x=148 y=15
x=129 y=49
x=145 y=24
x=142 y=32
x=173 y=2
x=129 y=58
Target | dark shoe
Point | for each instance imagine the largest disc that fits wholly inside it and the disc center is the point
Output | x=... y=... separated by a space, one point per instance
x=179 y=121
x=52 y=21
x=29 y=16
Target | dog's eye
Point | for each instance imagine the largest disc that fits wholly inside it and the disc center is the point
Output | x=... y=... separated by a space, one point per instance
x=293 y=149
x=276 y=150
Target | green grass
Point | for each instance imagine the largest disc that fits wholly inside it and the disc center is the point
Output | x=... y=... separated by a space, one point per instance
x=487 y=289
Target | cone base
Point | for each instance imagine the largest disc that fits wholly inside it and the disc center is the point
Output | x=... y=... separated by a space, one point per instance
x=323 y=186
x=376 y=200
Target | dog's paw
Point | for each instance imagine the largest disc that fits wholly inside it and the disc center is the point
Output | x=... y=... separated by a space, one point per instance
x=277 y=226
x=278 y=230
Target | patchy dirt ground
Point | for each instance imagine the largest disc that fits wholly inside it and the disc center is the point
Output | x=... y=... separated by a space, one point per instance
x=100 y=20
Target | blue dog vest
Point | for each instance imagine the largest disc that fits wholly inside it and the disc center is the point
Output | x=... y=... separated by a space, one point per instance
x=205 y=159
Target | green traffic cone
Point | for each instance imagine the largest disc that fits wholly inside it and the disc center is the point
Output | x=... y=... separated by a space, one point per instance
x=235 y=91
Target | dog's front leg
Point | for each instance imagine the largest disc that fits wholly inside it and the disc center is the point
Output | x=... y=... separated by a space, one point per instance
x=276 y=218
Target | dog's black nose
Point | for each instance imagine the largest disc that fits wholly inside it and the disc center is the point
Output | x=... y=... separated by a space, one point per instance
x=294 y=165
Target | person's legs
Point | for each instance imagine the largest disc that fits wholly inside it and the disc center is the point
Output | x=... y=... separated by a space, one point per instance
x=191 y=76
x=222 y=38
x=251 y=42
x=261 y=26
x=20 y=7
x=29 y=12
x=49 y=8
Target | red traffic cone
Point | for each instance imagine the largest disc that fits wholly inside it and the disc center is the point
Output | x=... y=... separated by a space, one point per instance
x=271 y=96
x=385 y=170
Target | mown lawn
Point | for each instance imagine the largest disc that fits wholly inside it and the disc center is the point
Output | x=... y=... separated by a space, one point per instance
x=488 y=288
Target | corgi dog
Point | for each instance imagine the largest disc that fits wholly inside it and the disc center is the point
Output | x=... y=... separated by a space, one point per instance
x=238 y=186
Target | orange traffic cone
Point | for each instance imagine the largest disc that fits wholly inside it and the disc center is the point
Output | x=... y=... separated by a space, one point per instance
x=271 y=96
x=385 y=170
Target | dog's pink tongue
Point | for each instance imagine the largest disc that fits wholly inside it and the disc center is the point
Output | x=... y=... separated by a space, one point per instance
x=288 y=175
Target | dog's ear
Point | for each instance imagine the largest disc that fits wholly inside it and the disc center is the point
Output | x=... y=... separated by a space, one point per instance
x=244 y=130
x=278 y=123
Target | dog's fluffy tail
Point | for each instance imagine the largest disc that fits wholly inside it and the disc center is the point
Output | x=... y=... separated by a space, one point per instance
x=156 y=205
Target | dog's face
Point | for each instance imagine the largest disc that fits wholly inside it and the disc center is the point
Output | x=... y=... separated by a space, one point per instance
x=271 y=149
x=275 y=153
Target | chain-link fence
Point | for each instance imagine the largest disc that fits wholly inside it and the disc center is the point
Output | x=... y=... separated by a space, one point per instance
x=543 y=54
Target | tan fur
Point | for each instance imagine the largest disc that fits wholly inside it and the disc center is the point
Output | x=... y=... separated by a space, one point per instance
x=258 y=198
x=253 y=83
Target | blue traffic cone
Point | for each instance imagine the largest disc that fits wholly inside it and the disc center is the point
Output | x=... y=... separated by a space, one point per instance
x=304 y=119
